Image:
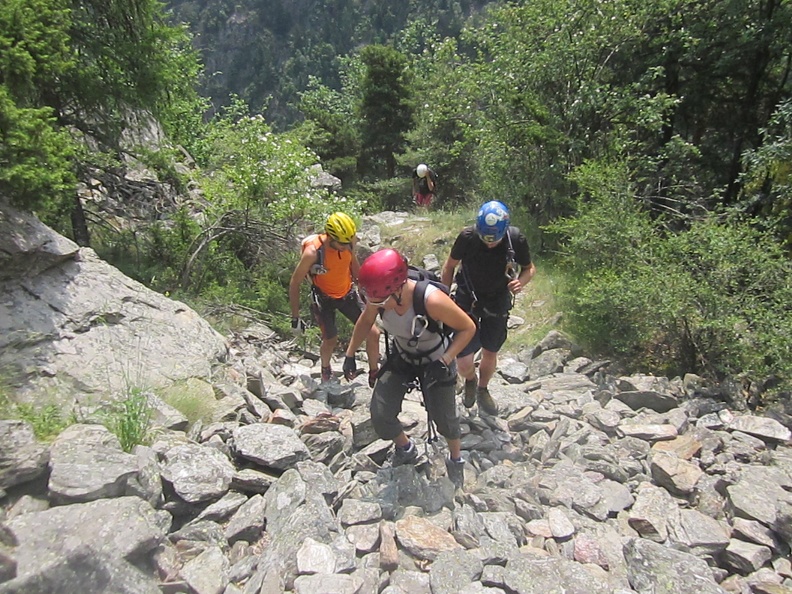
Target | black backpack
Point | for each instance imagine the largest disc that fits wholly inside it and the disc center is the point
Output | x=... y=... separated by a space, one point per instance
x=423 y=278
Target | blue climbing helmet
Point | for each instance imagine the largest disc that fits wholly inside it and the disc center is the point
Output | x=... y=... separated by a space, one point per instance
x=492 y=221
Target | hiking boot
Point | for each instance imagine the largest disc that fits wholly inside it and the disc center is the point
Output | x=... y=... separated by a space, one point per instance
x=408 y=456
x=485 y=401
x=327 y=373
x=470 y=392
x=456 y=472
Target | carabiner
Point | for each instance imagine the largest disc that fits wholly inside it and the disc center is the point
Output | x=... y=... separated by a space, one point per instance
x=418 y=332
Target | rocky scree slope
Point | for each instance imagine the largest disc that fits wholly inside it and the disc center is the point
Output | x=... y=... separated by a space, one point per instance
x=584 y=483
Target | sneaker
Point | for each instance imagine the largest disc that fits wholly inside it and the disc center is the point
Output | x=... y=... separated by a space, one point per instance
x=456 y=472
x=408 y=456
x=470 y=392
x=327 y=373
x=485 y=401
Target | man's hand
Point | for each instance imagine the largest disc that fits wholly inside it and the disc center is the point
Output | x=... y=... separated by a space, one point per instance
x=439 y=373
x=350 y=368
x=297 y=326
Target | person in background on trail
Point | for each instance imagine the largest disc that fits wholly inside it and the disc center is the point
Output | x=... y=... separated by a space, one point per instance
x=495 y=265
x=424 y=185
x=330 y=262
x=417 y=353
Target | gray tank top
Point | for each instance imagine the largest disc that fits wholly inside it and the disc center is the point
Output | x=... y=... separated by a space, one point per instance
x=403 y=328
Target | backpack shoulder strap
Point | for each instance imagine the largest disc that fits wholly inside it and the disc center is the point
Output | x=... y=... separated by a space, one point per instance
x=511 y=264
x=510 y=253
x=419 y=297
x=419 y=304
x=318 y=266
x=320 y=254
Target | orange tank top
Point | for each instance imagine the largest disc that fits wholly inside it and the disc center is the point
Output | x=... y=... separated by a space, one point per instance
x=337 y=281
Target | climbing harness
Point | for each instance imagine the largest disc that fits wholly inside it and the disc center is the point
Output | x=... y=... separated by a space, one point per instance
x=431 y=428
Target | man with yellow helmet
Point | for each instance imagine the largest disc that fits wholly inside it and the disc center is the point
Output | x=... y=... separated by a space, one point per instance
x=329 y=260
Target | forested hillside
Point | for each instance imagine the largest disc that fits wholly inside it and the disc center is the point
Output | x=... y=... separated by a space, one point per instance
x=264 y=51
x=646 y=148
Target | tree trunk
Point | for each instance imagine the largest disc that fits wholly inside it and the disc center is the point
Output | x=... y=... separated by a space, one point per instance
x=390 y=162
x=79 y=224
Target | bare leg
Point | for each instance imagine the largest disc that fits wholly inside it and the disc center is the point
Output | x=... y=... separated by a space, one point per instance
x=401 y=440
x=372 y=348
x=467 y=367
x=454 y=448
x=326 y=350
x=489 y=362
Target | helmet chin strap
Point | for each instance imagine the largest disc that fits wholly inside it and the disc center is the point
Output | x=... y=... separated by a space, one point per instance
x=397 y=297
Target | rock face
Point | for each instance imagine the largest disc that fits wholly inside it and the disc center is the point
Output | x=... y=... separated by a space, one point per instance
x=72 y=325
x=584 y=483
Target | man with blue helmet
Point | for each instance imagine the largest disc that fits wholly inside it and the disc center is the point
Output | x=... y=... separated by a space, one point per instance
x=495 y=265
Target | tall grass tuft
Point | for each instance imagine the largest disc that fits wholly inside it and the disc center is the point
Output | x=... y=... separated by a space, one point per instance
x=130 y=420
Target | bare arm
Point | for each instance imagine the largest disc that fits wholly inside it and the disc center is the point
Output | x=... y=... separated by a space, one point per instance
x=526 y=274
x=447 y=275
x=362 y=329
x=442 y=308
x=354 y=267
x=307 y=259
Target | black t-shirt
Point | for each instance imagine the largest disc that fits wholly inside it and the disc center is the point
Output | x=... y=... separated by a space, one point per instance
x=423 y=184
x=485 y=267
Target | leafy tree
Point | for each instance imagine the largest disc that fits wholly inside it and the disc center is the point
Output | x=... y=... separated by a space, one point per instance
x=127 y=58
x=548 y=98
x=767 y=186
x=728 y=63
x=35 y=155
x=386 y=107
x=445 y=124
x=78 y=74
x=332 y=128
x=259 y=192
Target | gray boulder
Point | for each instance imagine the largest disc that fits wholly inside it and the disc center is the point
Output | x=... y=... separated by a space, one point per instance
x=72 y=324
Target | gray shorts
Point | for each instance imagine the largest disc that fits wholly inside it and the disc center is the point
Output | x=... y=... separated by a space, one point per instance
x=389 y=391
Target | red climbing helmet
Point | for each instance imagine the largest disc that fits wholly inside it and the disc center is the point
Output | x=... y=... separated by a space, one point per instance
x=382 y=274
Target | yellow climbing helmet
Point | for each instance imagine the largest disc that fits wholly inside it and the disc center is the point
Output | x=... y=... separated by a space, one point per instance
x=340 y=227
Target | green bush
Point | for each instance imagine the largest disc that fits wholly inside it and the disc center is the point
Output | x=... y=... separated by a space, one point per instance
x=713 y=299
x=737 y=314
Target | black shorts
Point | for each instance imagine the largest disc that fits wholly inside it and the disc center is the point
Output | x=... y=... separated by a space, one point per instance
x=491 y=315
x=324 y=308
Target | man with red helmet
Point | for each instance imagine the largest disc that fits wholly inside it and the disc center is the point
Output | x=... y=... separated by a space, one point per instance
x=429 y=357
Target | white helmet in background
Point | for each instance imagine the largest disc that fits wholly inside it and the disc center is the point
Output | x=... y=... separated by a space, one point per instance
x=422 y=170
